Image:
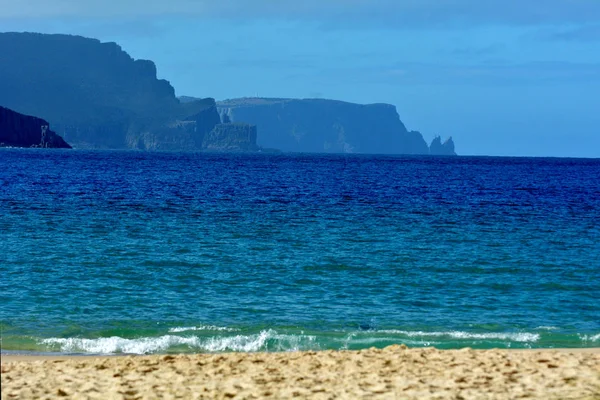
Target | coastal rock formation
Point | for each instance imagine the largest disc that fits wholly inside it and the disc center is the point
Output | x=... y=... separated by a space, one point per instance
x=200 y=131
x=231 y=137
x=437 y=148
x=325 y=126
x=18 y=130
x=97 y=96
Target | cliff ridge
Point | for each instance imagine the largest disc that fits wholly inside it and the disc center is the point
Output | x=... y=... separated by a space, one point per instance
x=97 y=96
x=324 y=126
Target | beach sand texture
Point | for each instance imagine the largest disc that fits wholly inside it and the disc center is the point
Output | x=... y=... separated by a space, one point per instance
x=391 y=373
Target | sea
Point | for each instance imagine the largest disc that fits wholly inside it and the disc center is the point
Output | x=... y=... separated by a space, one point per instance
x=124 y=252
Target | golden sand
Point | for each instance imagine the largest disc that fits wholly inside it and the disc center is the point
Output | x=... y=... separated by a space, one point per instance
x=392 y=373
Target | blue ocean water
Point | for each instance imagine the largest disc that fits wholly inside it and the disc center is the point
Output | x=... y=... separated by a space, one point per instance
x=135 y=252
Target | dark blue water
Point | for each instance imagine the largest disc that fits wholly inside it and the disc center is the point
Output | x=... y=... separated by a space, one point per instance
x=137 y=252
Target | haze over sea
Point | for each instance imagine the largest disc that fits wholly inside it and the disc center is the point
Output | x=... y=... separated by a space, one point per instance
x=135 y=252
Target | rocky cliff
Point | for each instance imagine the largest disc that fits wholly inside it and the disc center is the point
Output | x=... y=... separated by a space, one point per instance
x=437 y=148
x=317 y=125
x=96 y=96
x=18 y=130
x=231 y=137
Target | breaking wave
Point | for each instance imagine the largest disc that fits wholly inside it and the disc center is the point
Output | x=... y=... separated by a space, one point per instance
x=513 y=337
x=202 y=328
x=590 y=338
x=198 y=339
x=267 y=340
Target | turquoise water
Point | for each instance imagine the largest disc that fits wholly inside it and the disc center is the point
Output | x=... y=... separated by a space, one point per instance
x=130 y=252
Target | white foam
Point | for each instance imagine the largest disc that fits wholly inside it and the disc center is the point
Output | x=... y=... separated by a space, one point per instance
x=249 y=343
x=202 y=328
x=590 y=338
x=546 y=328
x=268 y=340
x=515 y=337
x=117 y=344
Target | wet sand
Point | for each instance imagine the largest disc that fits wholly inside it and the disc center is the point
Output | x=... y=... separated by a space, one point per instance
x=392 y=373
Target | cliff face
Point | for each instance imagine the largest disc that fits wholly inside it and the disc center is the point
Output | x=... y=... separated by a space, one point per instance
x=231 y=137
x=202 y=131
x=96 y=96
x=438 y=148
x=316 y=125
x=18 y=130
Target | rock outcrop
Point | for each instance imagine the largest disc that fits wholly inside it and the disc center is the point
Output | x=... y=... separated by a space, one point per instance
x=200 y=131
x=437 y=148
x=231 y=137
x=18 y=130
x=96 y=96
x=325 y=126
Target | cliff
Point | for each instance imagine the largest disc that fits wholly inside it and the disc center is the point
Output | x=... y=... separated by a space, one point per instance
x=96 y=96
x=437 y=148
x=18 y=130
x=317 y=125
x=231 y=137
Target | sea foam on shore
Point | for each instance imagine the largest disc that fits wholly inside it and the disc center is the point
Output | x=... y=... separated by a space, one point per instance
x=213 y=338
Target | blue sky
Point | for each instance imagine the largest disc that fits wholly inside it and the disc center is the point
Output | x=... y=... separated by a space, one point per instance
x=502 y=77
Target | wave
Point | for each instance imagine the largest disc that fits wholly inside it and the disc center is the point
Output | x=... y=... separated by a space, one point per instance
x=115 y=344
x=212 y=339
x=202 y=328
x=513 y=337
x=268 y=340
x=546 y=328
x=279 y=342
x=590 y=338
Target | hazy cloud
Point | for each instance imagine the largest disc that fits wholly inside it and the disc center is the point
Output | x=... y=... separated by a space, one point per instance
x=503 y=74
x=588 y=33
x=398 y=13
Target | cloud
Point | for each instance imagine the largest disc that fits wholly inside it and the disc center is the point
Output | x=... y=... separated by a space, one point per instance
x=531 y=73
x=587 y=33
x=395 y=13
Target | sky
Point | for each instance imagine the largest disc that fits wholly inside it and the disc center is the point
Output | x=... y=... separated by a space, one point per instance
x=502 y=77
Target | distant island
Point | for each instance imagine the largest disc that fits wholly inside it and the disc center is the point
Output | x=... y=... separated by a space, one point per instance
x=95 y=95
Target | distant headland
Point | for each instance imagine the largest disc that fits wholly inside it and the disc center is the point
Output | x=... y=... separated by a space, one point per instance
x=95 y=95
x=331 y=126
x=18 y=130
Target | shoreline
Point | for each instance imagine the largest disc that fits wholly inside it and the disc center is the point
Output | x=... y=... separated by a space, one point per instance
x=392 y=372
x=8 y=357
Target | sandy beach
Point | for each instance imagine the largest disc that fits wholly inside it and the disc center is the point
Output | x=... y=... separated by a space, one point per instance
x=391 y=373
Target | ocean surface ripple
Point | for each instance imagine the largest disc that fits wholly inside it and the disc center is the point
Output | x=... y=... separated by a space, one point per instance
x=134 y=252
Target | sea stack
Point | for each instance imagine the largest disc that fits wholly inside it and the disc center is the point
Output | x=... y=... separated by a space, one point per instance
x=438 y=148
